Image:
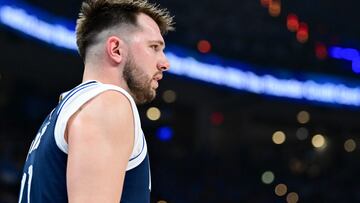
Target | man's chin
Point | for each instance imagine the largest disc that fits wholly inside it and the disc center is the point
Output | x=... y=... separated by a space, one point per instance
x=142 y=99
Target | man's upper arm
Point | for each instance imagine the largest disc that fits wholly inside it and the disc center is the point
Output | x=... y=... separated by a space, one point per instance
x=100 y=142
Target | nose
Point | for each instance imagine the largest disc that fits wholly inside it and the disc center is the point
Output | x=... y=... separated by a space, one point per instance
x=164 y=64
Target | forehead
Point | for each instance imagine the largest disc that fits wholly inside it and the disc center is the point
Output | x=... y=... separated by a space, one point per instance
x=149 y=30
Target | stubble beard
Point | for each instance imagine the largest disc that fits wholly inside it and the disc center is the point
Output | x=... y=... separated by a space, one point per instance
x=138 y=82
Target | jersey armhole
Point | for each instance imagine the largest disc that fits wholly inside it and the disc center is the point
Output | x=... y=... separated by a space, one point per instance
x=68 y=109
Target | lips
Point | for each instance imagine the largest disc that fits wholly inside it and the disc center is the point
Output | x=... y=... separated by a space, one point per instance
x=158 y=77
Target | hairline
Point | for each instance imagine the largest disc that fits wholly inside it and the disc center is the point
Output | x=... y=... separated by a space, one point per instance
x=124 y=31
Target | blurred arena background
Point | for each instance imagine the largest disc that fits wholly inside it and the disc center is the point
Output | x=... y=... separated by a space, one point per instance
x=261 y=104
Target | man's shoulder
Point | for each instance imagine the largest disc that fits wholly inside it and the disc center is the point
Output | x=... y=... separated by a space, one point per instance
x=109 y=103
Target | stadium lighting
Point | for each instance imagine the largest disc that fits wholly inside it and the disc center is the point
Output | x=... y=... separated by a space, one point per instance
x=57 y=33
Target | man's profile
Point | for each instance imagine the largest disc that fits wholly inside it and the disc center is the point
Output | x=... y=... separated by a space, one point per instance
x=91 y=147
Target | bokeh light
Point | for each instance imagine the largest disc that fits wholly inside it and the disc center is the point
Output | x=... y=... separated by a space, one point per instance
x=153 y=113
x=268 y=177
x=164 y=133
x=169 y=96
x=275 y=8
x=303 y=117
x=281 y=190
x=321 y=51
x=161 y=201
x=292 y=197
x=350 y=145
x=279 y=137
x=318 y=141
x=292 y=22
x=302 y=34
x=204 y=46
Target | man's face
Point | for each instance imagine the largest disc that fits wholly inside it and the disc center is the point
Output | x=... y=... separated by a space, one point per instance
x=145 y=61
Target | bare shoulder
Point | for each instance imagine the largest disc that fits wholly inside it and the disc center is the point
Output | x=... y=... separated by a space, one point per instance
x=109 y=111
x=107 y=104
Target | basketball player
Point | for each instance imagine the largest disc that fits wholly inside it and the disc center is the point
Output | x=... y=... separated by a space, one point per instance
x=91 y=147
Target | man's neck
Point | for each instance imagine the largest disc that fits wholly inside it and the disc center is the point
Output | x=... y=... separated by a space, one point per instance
x=106 y=75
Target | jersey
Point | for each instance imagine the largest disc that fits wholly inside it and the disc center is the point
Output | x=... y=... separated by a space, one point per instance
x=44 y=175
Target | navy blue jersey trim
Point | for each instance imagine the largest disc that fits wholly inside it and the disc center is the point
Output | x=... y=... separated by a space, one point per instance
x=74 y=91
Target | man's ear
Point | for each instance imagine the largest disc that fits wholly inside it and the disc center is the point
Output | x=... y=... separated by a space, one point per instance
x=115 y=48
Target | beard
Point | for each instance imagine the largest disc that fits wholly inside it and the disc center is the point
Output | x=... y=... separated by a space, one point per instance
x=138 y=82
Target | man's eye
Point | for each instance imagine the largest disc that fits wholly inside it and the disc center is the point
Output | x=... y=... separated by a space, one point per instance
x=155 y=47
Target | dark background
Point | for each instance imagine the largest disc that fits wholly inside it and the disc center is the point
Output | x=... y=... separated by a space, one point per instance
x=205 y=161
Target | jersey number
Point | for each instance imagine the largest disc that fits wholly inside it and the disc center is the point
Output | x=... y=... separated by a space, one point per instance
x=23 y=181
x=28 y=176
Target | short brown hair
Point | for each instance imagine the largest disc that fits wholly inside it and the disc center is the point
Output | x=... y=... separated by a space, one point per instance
x=98 y=15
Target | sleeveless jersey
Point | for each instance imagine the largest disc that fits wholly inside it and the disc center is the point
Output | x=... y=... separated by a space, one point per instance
x=44 y=175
